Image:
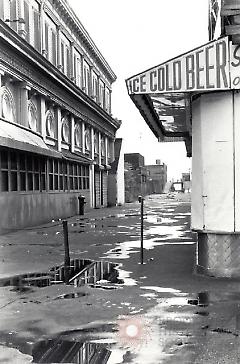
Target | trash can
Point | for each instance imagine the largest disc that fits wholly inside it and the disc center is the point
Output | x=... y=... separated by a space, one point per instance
x=81 y=203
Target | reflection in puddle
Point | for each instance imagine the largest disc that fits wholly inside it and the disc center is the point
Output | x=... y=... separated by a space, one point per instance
x=132 y=339
x=81 y=272
x=61 y=351
x=71 y=295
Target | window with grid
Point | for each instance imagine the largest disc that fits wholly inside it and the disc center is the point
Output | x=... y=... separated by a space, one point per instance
x=13 y=172
x=51 y=40
x=65 y=55
x=4 y=171
x=78 y=69
x=101 y=93
x=71 y=176
x=30 y=173
x=43 y=175
x=50 y=175
x=34 y=24
x=56 y=184
x=22 y=172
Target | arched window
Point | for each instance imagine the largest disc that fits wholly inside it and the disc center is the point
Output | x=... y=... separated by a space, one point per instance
x=87 y=140
x=65 y=130
x=78 y=135
x=32 y=116
x=50 y=129
x=96 y=143
x=8 y=105
x=103 y=151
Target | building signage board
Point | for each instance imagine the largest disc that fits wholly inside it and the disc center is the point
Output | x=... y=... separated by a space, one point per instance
x=214 y=66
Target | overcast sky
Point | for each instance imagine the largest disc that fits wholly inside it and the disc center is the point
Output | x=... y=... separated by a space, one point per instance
x=134 y=35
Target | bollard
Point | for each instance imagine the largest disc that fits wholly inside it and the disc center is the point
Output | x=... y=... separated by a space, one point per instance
x=81 y=203
x=140 y=200
x=66 y=252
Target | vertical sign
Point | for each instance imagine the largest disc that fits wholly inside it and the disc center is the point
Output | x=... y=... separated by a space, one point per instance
x=214 y=19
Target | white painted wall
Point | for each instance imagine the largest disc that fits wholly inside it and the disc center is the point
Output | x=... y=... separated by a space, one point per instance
x=197 y=175
x=213 y=163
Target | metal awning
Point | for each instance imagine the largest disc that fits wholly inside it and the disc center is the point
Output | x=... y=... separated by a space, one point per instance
x=76 y=157
x=163 y=94
x=16 y=137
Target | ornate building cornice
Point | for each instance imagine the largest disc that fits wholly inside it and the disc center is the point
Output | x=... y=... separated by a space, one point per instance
x=25 y=63
x=64 y=9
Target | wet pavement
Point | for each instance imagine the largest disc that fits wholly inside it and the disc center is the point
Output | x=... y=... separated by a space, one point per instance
x=115 y=310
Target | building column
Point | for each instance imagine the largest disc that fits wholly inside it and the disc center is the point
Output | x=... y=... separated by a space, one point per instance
x=99 y=149
x=106 y=150
x=43 y=117
x=72 y=128
x=1 y=75
x=59 y=128
x=110 y=102
x=83 y=137
x=23 y=104
x=92 y=185
x=216 y=181
x=92 y=144
x=92 y=192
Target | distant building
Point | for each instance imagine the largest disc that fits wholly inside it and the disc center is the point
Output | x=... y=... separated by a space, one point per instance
x=186 y=179
x=135 y=175
x=157 y=177
x=116 y=185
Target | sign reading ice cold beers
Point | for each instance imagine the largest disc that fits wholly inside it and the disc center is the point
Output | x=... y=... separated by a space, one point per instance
x=214 y=66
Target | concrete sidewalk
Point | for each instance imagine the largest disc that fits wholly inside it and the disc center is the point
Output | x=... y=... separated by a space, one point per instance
x=186 y=318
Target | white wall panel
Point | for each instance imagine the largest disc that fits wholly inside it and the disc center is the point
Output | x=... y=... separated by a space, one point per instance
x=218 y=163
x=197 y=176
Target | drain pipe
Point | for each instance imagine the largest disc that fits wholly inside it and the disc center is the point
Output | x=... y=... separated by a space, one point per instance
x=66 y=252
x=140 y=200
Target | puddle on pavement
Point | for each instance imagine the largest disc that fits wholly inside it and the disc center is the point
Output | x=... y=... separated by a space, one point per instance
x=81 y=272
x=61 y=351
x=71 y=295
x=131 y=339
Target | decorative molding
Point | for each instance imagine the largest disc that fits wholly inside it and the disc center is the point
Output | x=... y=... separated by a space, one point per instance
x=32 y=116
x=63 y=92
x=8 y=104
x=50 y=124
